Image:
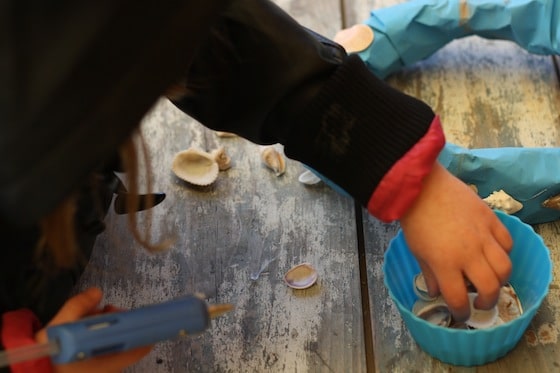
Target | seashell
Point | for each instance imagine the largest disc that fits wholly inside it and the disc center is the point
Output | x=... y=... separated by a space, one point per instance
x=355 y=38
x=498 y=321
x=220 y=156
x=502 y=201
x=273 y=160
x=195 y=166
x=552 y=202
x=481 y=319
x=509 y=305
x=420 y=288
x=225 y=134
x=301 y=276
x=435 y=312
x=459 y=325
x=309 y=178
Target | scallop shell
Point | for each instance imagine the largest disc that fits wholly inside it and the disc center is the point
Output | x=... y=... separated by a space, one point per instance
x=220 y=156
x=552 y=202
x=309 y=178
x=500 y=200
x=273 y=160
x=301 y=276
x=195 y=166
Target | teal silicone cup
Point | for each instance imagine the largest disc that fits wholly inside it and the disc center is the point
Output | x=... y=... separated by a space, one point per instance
x=531 y=276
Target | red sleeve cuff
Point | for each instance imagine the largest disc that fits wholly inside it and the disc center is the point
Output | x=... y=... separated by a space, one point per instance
x=402 y=184
x=18 y=330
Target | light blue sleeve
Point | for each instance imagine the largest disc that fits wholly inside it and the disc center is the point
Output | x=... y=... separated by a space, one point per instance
x=529 y=175
x=411 y=31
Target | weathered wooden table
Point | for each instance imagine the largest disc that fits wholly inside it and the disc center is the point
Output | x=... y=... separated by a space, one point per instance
x=235 y=239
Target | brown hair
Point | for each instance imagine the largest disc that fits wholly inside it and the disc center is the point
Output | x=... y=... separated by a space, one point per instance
x=58 y=239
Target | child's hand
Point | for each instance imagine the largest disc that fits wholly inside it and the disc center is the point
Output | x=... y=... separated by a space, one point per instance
x=86 y=304
x=455 y=236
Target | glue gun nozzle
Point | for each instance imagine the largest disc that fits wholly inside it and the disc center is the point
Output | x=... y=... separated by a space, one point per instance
x=216 y=310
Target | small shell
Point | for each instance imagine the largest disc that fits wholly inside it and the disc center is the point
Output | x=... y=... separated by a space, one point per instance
x=309 y=178
x=225 y=134
x=509 y=305
x=502 y=201
x=552 y=202
x=435 y=312
x=459 y=325
x=355 y=38
x=220 y=156
x=481 y=319
x=301 y=276
x=273 y=160
x=420 y=288
x=195 y=166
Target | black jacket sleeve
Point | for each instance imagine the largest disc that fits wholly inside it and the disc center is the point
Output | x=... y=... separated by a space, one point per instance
x=264 y=76
x=78 y=77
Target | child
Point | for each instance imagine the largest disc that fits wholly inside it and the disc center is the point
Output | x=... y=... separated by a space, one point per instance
x=241 y=75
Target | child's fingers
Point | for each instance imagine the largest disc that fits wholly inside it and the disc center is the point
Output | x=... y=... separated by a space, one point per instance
x=75 y=308
x=110 y=363
x=453 y=289
x=431 y=282
x=501 y=235
x=78 y=306
x=487 y=285
x=499 y=262
x=110 y=308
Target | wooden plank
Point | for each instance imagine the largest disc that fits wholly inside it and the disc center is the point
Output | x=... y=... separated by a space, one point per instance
x=234 y=240
x=488 y=94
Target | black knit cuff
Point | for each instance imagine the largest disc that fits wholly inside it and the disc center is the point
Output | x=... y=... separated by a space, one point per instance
x=357 y=128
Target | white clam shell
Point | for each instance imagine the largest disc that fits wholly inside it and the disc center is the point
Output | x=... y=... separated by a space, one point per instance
x=509 y=305
x=435 y=312
x=309 y=178
x=500 y=200
x=420 y=288
x=195 y=166
x=481 y=319
x=301 y=276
